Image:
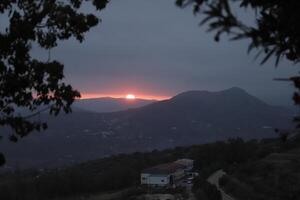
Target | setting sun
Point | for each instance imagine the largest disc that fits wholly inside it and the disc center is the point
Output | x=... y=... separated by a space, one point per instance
x=130 y=96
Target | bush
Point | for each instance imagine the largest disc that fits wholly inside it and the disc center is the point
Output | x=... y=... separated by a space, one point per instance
x=223 y=180
x=204 y=190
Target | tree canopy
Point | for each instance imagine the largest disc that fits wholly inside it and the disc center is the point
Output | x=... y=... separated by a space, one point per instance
x=29 y=83
x=275 y=31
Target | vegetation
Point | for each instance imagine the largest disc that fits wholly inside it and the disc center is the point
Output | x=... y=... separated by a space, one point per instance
x=274 y=30
x=203 y=190
x=123 y=171
x=266 y=179
x=140 y=193
x=236 y=189
x=275 y=177
x=30 y=83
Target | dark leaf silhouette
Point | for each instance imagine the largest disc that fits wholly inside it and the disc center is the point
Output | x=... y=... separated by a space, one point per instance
x=28 y=83
x=276 y=24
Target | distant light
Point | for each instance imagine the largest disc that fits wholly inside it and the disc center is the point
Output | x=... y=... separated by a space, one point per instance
x=130 y=96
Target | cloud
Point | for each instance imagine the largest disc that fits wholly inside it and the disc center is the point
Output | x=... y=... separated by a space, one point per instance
x=156 y=48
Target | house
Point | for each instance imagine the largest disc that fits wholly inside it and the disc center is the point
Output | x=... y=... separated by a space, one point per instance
x=188 y=163
x=166 y=174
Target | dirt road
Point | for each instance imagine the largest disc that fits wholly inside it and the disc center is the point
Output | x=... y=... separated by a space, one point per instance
x=214 y=179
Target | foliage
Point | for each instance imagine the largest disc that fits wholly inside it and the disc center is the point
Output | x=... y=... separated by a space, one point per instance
x=122 y=171
x=274 y=177
x=28 y=83
x=204 y=190
x=276 y=30
x=2 y=159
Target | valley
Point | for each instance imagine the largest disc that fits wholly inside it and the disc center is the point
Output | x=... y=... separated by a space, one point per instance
x=193 y=117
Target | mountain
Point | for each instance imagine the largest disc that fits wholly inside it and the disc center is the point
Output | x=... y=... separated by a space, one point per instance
x=200 y=116
x=109 y=104
x=192 y=117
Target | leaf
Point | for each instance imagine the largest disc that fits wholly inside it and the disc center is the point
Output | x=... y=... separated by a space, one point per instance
x=179 y=3
x=13 y=138
x=238 y=37
x=100 y=4
x=206 y=19
x=277 y=60
x=196 y=9
x=267 y=56
x=2 y=159
x=250 y=47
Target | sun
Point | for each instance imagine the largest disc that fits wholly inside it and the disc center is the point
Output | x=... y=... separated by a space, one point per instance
x=130 y=96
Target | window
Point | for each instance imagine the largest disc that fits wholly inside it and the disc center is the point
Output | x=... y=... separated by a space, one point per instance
x=143 y=178
x=162 y=180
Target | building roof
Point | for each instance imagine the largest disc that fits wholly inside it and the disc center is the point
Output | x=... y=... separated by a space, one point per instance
x=186 y=162
x=167 y=168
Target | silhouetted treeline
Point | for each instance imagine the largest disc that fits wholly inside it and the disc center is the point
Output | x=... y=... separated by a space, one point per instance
x=203 y=190
x=275 y=177
x=123 y=171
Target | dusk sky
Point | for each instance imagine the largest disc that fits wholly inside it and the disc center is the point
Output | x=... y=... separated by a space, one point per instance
x=154 y=49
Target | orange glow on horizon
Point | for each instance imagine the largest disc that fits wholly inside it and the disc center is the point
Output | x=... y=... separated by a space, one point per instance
x=137 y=96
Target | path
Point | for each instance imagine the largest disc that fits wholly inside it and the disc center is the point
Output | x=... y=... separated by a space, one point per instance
x=214 y=179
x=189 y=191
x=109 y=196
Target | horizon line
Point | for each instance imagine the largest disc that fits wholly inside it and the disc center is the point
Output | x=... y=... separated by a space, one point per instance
x=123 y=96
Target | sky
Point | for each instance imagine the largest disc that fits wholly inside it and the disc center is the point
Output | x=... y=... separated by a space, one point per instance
x=154 y=49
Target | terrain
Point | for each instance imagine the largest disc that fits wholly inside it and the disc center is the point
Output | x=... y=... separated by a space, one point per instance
x=276 y=176
x=120 y=174
x=109 y=104
x=193 y=117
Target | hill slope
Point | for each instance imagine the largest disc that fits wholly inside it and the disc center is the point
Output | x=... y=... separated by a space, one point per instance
x=109 y=104
x=242 y=160
x=192 y=117
x=201 y=116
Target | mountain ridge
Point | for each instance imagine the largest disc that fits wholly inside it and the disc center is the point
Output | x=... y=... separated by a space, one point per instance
x=186 y=119
x=110 y=104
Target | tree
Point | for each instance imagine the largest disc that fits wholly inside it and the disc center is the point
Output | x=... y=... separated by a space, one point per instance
x=29 y=83
x=275 y=33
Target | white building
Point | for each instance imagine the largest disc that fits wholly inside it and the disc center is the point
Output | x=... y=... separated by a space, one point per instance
x=166 y=174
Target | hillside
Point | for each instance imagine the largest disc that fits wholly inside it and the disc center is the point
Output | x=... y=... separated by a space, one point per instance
x=275 y=176
x=193 y=117
x=109 y=104
x=116 y=173
x=200 y=116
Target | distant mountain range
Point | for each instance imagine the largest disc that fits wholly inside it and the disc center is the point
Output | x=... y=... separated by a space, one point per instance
x=109 y=104
x=199 y=116
x=188 y=118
